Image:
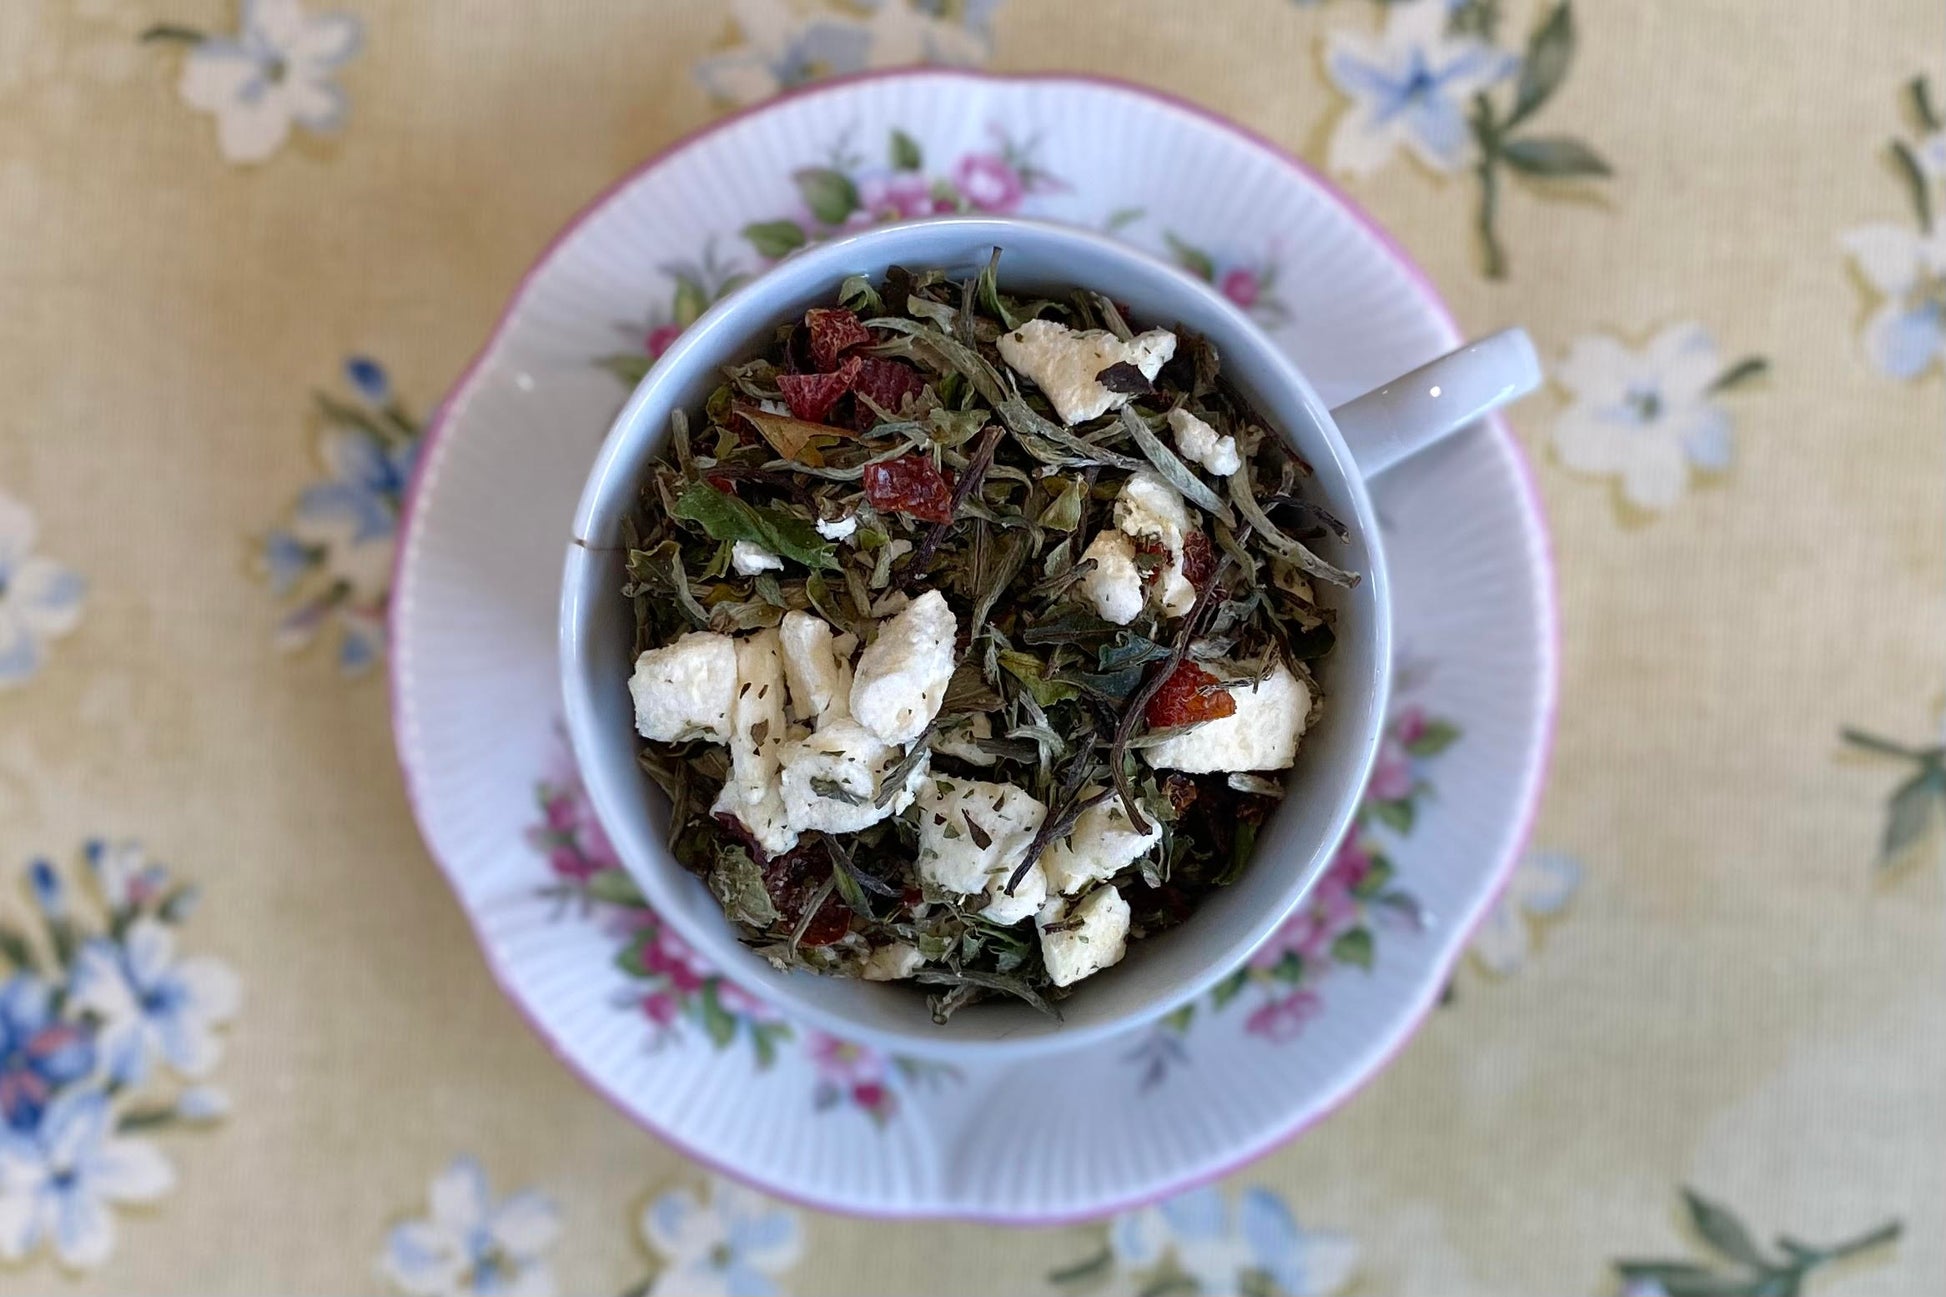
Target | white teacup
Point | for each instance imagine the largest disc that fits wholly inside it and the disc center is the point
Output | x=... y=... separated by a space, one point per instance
x=1344 y=446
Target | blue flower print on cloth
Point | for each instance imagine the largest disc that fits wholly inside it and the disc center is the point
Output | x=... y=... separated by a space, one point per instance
x=780 y=45
x=1906 y=331
x=734 y=1241
x=100 y=1022
x=1649 y=417
x=277 y=71
x=472 y=1244
x=58 y=1181
x=1410 y=88
x=1200 y=1241
x=40 y=599
x=153 y=1007
x=332 y=562
x=39 y=1052
x=1540 y=889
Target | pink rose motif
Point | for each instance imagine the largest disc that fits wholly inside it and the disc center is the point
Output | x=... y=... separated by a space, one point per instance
x=1409 y=726
x=845 y=1061
x=1391 y=773
x=1280 y=1020
x=661 y=1008
x=557 y=805
x=1241 y=286
x=1348 y=868
x=666 y=957
x=897 y=197
x=660 y=337
x=989 y=182
x=568 y=863
x=874 y=1098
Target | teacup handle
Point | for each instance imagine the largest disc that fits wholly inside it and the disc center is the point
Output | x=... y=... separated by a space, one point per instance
x=1408 y=414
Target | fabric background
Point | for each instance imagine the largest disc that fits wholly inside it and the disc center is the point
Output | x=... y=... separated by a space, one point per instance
x=1736 y=997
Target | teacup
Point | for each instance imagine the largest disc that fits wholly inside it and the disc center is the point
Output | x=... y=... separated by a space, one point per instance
x=1344 y=446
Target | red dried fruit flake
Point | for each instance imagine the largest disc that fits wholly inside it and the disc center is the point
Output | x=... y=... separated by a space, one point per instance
x=912 y=485
x=811 y=396
x=1198 y=559
x=1189 y=696
x=833 y=331
x=887 y=383
x=792 y=879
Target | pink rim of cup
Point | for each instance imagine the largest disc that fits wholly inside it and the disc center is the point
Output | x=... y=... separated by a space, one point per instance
x=1503 y=869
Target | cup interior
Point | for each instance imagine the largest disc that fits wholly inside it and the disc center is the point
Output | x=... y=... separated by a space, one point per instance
x=1333 y=761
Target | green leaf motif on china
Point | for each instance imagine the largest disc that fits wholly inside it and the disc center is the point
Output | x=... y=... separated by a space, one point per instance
x=774 y=239
x=828 y=192
x=905 y=153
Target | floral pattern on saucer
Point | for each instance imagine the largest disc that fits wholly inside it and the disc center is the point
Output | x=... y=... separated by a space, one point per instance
x=673 y=990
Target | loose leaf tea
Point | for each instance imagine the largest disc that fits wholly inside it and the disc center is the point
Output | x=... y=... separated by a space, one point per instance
x=946 y=688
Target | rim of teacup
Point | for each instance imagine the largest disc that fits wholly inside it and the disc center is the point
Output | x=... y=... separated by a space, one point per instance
x=737 y=323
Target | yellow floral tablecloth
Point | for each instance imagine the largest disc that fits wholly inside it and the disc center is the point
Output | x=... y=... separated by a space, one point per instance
x=246 y=1041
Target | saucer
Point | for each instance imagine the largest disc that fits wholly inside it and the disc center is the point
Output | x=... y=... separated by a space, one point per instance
x=828 y=1122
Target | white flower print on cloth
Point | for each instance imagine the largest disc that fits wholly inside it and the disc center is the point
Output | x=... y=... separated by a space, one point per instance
x=153 y=1007
x=75 y=1082
x=58 y=1182
x=787 y=44
x=1906 y=334
x=276 y=71
x=1201 y=1242
x=736 y=1243
x=1905 y=269
x=1648 y=417
x=1541 y=887
x=471 y=1244
x=39 y=599
x=1410 y=86
x=333 y=560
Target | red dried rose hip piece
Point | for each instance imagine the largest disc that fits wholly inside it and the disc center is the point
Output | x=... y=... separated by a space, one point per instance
x=912 y=485
x=1189 y=696
x=1198 y=559
x=833 y=331
x=811 y=396
x=888 y=383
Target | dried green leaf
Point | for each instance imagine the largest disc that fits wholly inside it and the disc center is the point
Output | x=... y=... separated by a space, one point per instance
x=724 y=517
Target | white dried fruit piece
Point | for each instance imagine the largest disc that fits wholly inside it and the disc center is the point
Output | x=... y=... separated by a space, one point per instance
x=1114 y=587
x=750 y=558
x=831 y=781
x=684 y=690
x=757 y=734
x=820 y=679
x=1102 y=843
x=970 y=831
x=1090 y=936
x=1065 y=363
x=890 y=963
x=1199 y=442
x=1261 y=734
x=901 y=677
